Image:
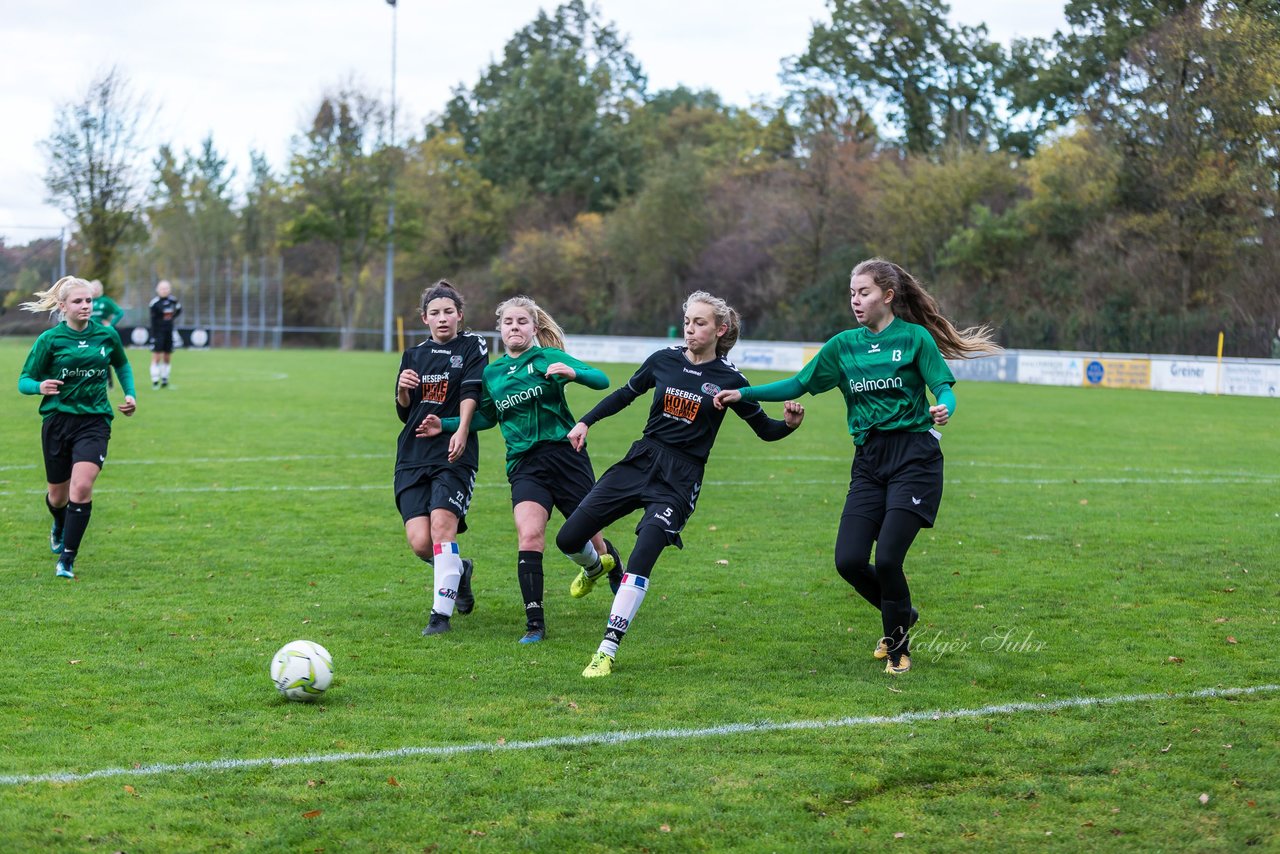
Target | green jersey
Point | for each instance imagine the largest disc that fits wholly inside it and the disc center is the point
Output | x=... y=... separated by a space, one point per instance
x=883 y=377
x=106 y=311
x=81 y=360
x=529 y=406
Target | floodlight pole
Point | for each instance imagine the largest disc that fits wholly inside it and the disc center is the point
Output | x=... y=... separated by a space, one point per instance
x=389 y=288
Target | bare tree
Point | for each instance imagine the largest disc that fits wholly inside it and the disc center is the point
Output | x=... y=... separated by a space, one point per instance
x=93 y=175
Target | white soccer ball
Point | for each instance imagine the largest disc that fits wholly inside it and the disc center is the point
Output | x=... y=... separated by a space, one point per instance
x=302 y=670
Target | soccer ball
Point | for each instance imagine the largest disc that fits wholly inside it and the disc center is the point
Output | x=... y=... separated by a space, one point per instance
x=302 y=670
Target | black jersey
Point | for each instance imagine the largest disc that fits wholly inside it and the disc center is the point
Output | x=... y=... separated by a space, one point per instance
x=449 y=374
x=682 y=416
x=164 y=311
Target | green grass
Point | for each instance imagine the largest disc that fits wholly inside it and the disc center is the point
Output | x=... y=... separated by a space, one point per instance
x=1122 y=542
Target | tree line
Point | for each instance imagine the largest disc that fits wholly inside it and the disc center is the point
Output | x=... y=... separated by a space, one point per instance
x=1111 y=188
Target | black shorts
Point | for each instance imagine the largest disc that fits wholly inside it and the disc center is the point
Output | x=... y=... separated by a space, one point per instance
x=440 y=488
x=553 y=475
x=664 y=483
x=162 y=340
x=70 y=439
x=896 y=471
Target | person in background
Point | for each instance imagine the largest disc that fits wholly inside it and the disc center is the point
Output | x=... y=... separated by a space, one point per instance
x=524 y=393
x=662 y=473
x=105 y=310
x=883 y=368
x=434 y=477
x=68 y=367
x=164 y=312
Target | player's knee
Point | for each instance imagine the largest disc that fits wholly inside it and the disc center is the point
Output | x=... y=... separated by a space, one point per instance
x=532 y=542
x=569 y=541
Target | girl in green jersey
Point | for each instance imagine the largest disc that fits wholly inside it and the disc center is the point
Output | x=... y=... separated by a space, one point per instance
x=524 y=393
x=883 y=369
x=68 y=366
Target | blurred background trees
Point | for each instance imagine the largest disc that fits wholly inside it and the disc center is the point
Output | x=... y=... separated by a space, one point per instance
x=1112 y=188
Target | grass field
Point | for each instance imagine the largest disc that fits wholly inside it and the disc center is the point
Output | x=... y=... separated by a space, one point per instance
x=1093 y=545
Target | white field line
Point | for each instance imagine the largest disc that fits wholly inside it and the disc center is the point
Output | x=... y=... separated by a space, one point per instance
x=624 y=737
x=771 y=482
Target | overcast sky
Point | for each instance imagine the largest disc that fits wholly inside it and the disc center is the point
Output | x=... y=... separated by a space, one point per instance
x=251 y=71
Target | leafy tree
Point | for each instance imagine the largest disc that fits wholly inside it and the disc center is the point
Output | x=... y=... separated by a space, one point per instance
x=261 y=214
x=339 y=179
x=451 y=216
x=191 y=207
x=550 y=117
x=937 y=81
x=93 y=175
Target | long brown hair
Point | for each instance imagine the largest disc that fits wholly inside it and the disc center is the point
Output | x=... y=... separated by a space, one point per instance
x=914 y=304
x=723 y=313
x=547 y=331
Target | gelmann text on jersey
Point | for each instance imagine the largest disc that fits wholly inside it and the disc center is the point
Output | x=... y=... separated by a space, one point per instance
x=83 y=372
x=519 y=397
x=874 y=385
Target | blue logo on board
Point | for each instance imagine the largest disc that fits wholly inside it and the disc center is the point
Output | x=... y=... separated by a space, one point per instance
x=1094 y=372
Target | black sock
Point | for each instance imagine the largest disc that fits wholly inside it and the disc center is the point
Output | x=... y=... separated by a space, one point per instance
x=529 y=571
x=895 y=622
x=59 y=515
x=73 y=533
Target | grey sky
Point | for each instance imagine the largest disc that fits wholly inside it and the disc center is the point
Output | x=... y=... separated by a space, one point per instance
x=250 y=71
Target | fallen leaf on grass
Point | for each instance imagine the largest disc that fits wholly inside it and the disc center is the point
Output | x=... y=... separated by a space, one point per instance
x=311 y=784
x=1087 y=824
x=476 y=832
x=1231 y=639
x=1204 y=798
x=573 y=705
x=502 y=741
x=131 y=791
x=895 y=690
x=309 y=814
x=1221 y=620
x=1173 y=659
x=666 y=828
x=1165 y=749
x=75 y=661
x=722 y=563
x=899 y=835
x=392 y=781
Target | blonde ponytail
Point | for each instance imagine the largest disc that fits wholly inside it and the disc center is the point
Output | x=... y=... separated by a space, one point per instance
x=56 y=295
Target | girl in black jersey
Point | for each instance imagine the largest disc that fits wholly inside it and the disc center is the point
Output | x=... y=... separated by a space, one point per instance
x=883 y=368
x=68 y=367
x=662 y=473
x=435 y=476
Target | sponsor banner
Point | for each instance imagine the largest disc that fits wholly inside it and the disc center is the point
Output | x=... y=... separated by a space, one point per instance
x=1257 y=379
x=183 y=337
x=1045 y=369
x=987 y=369
x=1118 y=373
x=1188 y=375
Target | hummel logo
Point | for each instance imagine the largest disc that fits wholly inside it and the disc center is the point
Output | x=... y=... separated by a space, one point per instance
x=101 y=458
x=915 y=500
x=875 y=348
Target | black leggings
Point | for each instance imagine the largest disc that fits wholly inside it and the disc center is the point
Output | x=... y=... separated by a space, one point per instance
x=650 y=541
x=885 y=584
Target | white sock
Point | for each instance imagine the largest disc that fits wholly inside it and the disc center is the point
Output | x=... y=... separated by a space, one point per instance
x=588 y=559
x=625 y=604
x=164 y=371
x=155 y=372
x=448 y=572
